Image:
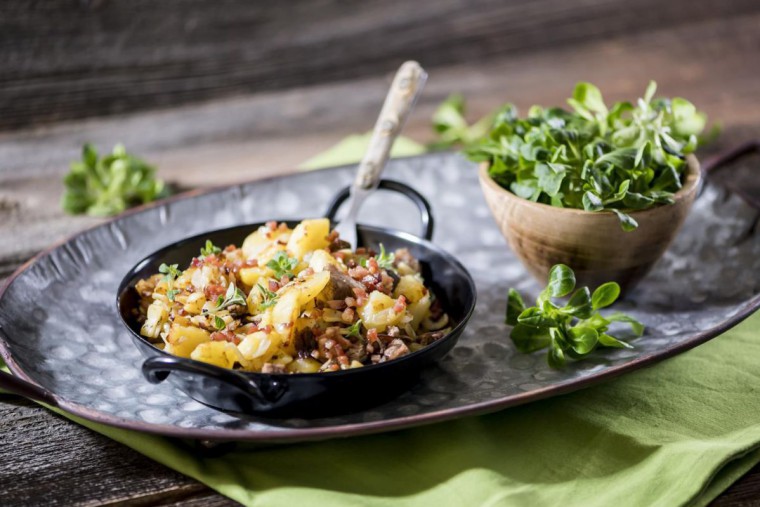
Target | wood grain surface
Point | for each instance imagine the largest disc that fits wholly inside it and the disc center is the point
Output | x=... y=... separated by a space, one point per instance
x=79 y=58
x=271 y=97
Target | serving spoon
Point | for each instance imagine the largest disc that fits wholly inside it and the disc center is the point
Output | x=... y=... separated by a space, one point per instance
x=406 y=87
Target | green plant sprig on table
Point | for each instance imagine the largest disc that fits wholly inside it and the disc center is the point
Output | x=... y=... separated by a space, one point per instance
x=109 y=185
x=627 y=157
x=573 y=330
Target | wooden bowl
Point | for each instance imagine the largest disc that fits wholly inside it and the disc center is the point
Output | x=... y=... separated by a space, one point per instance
x=592 y=243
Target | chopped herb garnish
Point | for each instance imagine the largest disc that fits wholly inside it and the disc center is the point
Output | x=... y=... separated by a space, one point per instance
x=269 y=297
x=170 y=273
x=219 y=323
x=210 y=249
x=573 y=330
x=282 y=265
x=384 y=259
x=233 y=296
x=355 y=330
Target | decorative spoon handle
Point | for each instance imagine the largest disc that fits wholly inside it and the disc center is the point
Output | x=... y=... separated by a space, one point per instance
x=406 y=87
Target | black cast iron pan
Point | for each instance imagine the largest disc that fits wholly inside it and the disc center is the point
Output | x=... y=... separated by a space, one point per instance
x=308 y=394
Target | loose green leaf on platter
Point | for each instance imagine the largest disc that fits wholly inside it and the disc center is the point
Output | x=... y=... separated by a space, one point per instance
x=515 y=307
x=561 y=281
x=570 y=331
x=605 y=295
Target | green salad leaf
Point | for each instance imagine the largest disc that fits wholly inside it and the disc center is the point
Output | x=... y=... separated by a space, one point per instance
x=103 y=186
x=572 y=330
x=622 y=158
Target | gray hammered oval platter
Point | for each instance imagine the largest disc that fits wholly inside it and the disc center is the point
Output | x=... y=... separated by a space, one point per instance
x=59 y=328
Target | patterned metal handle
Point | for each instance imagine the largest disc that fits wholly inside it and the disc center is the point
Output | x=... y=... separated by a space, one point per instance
x=404 y=91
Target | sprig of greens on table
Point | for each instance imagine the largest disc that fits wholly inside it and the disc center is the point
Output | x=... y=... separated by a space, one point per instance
x=627 y=157
x=572 y=330
x=104 y=186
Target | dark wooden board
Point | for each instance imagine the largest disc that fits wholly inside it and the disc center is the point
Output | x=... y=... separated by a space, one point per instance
x=82 y=58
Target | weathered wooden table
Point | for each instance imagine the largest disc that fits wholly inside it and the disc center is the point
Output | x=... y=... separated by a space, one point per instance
x=710 y=57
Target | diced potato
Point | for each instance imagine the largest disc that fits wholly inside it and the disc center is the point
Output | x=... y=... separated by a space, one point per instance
x=251 y=276
x=411 y=287
x=156 y=316
x=321 y=259
x=194 y=303
x=378 y=312
x=292 y=298
x=222 y=354
x=255 y=345
x=182 y=340
x=308 y=236
x=419 y=310
x=304 y=365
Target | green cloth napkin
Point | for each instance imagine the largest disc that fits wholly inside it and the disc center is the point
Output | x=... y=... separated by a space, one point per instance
x=678 y=433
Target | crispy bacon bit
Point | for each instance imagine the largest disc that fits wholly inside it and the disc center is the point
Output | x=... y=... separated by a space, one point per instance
x=348 y=315
x=272 y=225
x=196 y=262
x=337 y=304
x=250 y=263
x=266 y=329
x=213 y=291
x=350 y=302
x=400 y=305
x=225 y=336
x=358 y=273
x=372 y=335
x=284 y=280
x=230 y=248
x=372 y=266
x=274 y=286
x=396 y=349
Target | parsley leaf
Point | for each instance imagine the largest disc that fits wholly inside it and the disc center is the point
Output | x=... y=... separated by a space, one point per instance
x=210 y=249
x=354 y=330
x=233 y=296
x=103 y=186
x=170 y=273
x=282 y=265
x=269 y=298
x=219 y=323
x=384 y=259
x=573 y=330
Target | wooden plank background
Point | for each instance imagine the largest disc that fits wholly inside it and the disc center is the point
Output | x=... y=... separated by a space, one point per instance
x=80 y=58
x=220 y=92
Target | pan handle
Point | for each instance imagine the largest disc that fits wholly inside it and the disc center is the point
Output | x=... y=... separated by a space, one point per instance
x=426 y=214
x=263 y=391
x=15 y=385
